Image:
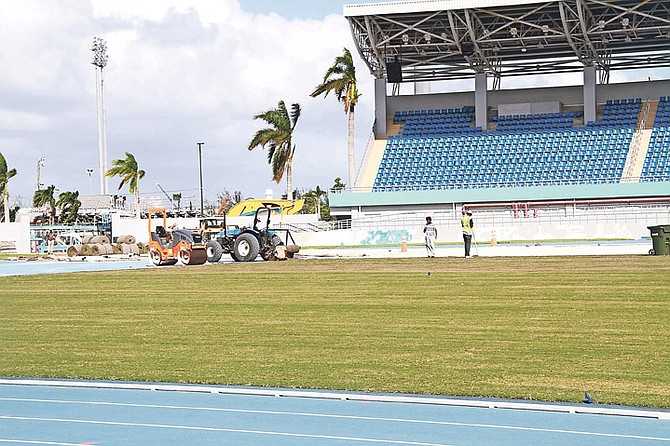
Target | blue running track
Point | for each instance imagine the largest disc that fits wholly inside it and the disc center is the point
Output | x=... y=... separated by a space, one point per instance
x=52 y=412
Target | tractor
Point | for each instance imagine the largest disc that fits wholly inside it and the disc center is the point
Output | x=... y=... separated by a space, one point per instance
x=245 y=244
x=167 y=246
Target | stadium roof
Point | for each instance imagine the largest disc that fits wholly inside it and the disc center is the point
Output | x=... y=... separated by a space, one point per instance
x=454 y=39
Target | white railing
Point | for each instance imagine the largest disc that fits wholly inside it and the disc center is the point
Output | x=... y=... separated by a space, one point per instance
x=506 y=216
x=501 y=184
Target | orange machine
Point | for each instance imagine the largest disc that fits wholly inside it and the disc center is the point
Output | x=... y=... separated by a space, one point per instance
x=167 y=246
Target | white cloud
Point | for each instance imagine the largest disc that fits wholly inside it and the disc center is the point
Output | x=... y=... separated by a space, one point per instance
x=179 y=72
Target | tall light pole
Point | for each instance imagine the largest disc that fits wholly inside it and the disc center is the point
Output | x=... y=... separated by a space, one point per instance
x=100 y=61
x=40 y=164
x=202 y=203
x=89 y=171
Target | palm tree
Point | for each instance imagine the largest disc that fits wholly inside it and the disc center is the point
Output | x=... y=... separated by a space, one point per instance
x=45 y=197
x=316 y=198
x=5 y=175
x=130 y=174
x=176 y=198
x=341 y=79
x=279 y=138
x=68 y=203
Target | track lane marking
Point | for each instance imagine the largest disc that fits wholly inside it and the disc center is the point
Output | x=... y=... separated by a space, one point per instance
x=49 y=443
x=351 y=417
x=223 y=429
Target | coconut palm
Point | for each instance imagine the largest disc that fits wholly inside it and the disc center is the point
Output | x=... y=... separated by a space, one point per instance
x=315 y=199
x=279 y=139
x=68 y=203
x=5 y=175
x=341 y=79
x=176 y=198
x=130 y=174
x=45 y=197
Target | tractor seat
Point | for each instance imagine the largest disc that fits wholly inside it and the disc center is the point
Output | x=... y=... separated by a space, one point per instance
x=160 y=231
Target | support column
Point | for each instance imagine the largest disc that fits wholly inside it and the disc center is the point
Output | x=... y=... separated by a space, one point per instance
x=380 y=107
x=589 y=93
x=481 y=102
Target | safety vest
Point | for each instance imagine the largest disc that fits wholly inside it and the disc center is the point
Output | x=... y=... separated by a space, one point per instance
x=466 y=224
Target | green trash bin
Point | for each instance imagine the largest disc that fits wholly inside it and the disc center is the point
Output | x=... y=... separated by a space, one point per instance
x=660 y=239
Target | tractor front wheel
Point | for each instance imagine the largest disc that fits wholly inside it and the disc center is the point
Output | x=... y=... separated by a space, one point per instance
x=246 y=247
x=214 y=251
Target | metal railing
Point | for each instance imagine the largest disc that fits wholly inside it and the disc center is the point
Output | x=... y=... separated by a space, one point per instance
x=504 y=184
x=503 y=216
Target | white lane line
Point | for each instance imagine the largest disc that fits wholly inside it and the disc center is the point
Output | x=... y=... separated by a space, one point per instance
x=223 y=429
x=328 y=395
x=50 y=443
x=350 y=417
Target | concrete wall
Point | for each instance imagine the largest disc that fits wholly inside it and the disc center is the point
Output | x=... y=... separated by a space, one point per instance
x=568 y=96
x=547 y=224
x=15 y=237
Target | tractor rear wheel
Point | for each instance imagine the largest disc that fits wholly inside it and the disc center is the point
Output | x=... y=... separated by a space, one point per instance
x=214 y=251
x=246 y=247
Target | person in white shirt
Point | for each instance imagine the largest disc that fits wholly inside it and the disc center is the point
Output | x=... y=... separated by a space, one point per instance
x=431 y=235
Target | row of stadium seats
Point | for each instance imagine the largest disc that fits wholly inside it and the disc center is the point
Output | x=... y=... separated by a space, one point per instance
x=657 y=162
x=436 y=123
x=619 y=113
x=663 y=113
x=441 y=150
x=489 y=160
x=459 y=121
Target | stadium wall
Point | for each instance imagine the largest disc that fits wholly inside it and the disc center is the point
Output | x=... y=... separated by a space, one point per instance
x=569 y=96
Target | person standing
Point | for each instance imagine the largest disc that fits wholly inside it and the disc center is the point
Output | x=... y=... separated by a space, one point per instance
x=467 y=224
x=431 y=235
x=51 y=239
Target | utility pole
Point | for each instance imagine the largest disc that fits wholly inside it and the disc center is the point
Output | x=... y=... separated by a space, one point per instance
x=202 y=203
x=100 y=61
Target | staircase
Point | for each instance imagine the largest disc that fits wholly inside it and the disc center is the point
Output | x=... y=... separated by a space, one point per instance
x=392 y=129
x=640 y=143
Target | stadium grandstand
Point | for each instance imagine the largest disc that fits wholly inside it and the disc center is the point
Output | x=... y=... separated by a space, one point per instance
x=587 y=160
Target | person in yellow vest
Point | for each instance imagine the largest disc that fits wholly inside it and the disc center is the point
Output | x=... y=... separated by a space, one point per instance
x=431 y=235
x=467 y=224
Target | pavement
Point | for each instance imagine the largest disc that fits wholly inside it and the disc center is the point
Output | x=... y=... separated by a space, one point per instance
x=61 y=264
x=615 y=247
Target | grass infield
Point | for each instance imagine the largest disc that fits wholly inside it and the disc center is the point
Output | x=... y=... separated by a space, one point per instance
x=533 y=328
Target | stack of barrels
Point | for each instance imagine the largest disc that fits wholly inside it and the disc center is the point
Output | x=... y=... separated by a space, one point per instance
x=98 y=245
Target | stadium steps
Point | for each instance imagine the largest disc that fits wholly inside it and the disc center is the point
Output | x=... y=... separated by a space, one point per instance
x=392 y=128
x=639 y=145
x=371 y=161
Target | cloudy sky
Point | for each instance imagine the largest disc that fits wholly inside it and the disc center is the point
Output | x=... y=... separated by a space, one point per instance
x=179 y=72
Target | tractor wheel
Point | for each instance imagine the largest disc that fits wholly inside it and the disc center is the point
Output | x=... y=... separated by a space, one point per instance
x=155 y=257
x=214 y=251
x=246 y=247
